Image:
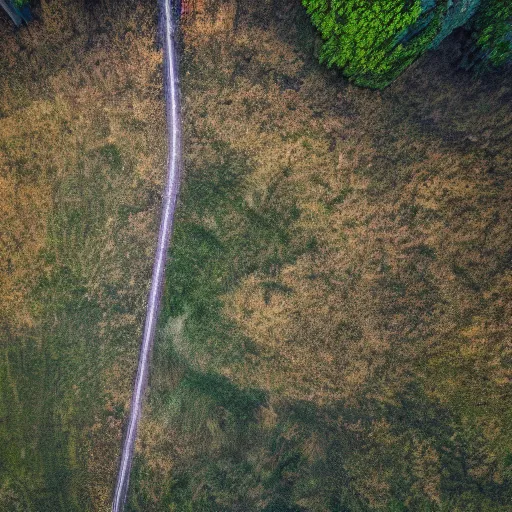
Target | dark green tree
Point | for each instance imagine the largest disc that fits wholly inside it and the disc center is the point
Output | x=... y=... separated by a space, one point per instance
x=493 y=32
x=18 y=10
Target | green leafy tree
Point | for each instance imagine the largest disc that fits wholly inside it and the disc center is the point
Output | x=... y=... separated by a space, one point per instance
x=365 y=37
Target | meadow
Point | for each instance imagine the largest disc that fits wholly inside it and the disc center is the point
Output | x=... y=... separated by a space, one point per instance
x=82 y=159
x=335 y=331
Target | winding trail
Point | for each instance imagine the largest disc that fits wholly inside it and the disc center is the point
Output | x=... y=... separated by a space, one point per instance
x=171 y=85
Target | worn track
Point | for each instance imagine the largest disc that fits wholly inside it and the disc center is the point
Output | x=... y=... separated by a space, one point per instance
x=171 y=85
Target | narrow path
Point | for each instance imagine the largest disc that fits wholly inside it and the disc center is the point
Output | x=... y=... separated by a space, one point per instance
x=169 y=203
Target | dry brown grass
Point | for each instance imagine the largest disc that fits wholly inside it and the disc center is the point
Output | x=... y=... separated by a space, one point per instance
x=82 y=137
x=406 y=192
x=401 y=197
x=372 y=204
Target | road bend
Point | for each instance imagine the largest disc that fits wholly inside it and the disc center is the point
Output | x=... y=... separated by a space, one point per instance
x=171 y=85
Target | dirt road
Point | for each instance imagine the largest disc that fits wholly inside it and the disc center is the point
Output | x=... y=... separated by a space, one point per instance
x=169 y=203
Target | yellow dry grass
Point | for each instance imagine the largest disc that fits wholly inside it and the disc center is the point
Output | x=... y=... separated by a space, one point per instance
x=82 y=154
x=407 y=193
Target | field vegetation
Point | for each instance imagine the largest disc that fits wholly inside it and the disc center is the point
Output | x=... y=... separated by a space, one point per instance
x=336 y=333
x=82 y=156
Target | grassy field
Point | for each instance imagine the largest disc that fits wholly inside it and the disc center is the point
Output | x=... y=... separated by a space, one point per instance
x=82 y=158
x=336 y=333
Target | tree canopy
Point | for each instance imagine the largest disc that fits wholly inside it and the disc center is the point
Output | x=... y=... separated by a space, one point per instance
x=374 y=41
